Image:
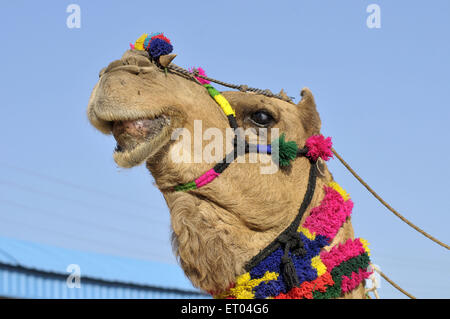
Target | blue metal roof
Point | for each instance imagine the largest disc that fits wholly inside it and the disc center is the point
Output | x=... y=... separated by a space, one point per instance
x=46 y=258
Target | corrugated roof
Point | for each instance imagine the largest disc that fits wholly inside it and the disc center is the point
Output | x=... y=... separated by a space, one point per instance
x=32 y=255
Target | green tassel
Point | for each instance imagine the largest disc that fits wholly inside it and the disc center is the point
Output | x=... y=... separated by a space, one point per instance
x=211 y=90
x=287 y=151
x=186 y=187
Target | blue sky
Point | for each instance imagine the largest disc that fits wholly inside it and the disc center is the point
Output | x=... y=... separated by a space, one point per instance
x=382 y=95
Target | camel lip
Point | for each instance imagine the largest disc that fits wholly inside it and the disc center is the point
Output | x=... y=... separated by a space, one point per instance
x=129 y=133
x=137 y=140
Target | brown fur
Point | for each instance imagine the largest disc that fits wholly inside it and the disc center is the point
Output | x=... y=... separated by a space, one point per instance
x=219 y=227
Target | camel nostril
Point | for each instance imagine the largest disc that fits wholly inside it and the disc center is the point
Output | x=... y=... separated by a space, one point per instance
x=131 y=62
x=139 y=60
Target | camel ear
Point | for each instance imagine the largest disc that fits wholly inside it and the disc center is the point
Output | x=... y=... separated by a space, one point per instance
x=308 y=113
x=283 y=95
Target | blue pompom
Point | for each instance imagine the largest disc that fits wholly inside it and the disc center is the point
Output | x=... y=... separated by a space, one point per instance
x=159 y=47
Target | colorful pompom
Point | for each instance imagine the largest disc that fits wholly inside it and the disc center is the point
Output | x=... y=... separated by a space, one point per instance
x=146 y=44
x=152 y=36
x=155 y=43
x=160 y=36
x=159 y=47
x=139 y=44
x=200 y=72
x=319 y=146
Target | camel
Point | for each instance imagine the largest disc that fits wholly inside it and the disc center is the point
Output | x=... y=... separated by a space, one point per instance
x=216 y=229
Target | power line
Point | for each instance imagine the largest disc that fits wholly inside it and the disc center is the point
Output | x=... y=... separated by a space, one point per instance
x=100 y=243
x=75 y=186
x=114 y=230
x=79 y=202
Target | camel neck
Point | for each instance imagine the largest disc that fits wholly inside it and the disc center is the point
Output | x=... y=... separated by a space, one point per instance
x=289 y=239
x=319 y=272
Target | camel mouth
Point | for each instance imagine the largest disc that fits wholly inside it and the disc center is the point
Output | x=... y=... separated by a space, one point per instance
x=139 y=139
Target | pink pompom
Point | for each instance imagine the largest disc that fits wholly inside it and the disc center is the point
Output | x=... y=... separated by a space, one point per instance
x=200 y=72
x=319 y=146
x=131 y=46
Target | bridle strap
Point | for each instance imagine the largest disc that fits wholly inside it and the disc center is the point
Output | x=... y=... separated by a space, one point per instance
x=289 y=238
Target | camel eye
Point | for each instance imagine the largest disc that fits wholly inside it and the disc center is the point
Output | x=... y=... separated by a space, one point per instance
x=262 y=118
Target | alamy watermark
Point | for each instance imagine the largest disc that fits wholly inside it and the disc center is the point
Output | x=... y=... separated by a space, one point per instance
x=374 y=19
x=74 y=279
x=190 y=149
x=73 y=20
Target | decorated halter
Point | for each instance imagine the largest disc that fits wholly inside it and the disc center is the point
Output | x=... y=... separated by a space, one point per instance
x=284 y=151
x=293 y=265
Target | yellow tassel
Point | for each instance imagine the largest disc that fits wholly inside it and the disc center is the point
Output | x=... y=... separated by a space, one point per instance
x=340 y=190
x=365 y=244
x=139 y=44
x=244 y=286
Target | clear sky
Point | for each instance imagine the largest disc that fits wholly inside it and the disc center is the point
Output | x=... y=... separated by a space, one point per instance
x=382 y=94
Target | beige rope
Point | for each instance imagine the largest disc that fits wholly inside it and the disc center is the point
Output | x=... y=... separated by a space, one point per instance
x=375 y=292
x=393 y=283
x=386 y=204
x=374 y=284
x=241 y=87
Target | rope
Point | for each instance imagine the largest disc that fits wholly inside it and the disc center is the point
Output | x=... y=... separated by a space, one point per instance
x=395 y=285
x=241 y=87
x=374 y=287
x=387 y=205
x=392 y=283
x=375 y=292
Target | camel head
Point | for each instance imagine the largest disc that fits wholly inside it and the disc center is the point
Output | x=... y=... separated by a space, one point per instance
x=219 y=227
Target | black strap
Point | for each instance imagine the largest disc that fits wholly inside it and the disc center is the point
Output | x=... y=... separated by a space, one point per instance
x=289 y=239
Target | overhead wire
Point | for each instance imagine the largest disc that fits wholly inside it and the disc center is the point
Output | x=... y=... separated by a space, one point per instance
x=73 y=185
x=76 y=201
x=100 y=243
x=72 y=219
